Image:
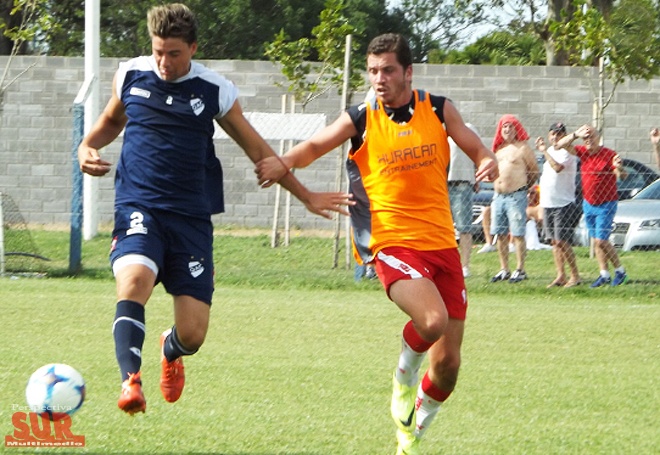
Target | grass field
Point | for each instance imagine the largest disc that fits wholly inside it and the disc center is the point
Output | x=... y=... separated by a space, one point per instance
x=298 y=358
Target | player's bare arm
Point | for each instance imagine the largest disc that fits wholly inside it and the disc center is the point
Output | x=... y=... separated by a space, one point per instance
x=271 y=170
x=256 y=148
x=106 y=129
x=484 y=159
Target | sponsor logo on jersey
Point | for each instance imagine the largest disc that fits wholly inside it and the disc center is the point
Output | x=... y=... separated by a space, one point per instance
x=417 y=153
x=140 y=92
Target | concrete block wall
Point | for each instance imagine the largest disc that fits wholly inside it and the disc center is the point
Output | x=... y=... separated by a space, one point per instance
x=36 y=127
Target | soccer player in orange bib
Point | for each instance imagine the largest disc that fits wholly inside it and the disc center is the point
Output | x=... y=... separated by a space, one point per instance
x=402 y=220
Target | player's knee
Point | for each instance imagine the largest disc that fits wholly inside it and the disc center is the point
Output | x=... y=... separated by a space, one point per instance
x=134 y=287
x=432 y=328
x=191 y=339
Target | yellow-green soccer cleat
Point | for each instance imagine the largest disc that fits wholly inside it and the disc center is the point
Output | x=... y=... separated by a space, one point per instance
x=408 y=443
x=403 y=405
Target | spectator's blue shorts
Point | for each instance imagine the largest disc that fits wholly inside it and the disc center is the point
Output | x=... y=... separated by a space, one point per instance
x=178 y=248
x=461 y=195
x=509 y=212
x=599 y=218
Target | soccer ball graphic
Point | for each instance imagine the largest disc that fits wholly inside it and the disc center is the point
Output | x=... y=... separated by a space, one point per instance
x=55 y=391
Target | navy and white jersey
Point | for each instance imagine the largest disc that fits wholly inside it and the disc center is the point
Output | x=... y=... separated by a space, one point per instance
x=168 y=159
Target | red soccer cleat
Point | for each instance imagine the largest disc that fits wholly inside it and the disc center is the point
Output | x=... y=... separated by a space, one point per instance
x=132 y=399
x=172 y=377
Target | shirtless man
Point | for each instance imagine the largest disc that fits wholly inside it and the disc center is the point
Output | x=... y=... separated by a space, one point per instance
x=518 y=173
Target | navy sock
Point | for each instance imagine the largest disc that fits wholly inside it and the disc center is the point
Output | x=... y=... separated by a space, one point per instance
x=173 y=349
x=128 y=331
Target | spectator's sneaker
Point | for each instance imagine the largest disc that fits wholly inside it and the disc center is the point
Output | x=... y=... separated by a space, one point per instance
x=619 y=278
x=408 y=443
x=601 y=281
x=502 y=275
x=518 y=276
x=403 y=405
x=487 y=248
x=132 y=399
x=172 y=377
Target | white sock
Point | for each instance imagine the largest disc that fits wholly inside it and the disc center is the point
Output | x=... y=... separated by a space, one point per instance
x=426 y=410
x=410 y=361
x=605 y=273
x=620 y=270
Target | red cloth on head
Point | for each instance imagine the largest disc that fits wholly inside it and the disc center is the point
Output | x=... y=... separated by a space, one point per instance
x=521 y=134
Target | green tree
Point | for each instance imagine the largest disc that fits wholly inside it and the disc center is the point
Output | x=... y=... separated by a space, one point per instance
x=237 y=29
x=370 y=18
x=228 y=29
x=307 y=81
x=623 y=41
x=541 y=15
x=22 y=23
x=438 y=24
x=558 y=11
x=123 y=27
x=9 y=19
x=517 y=46
x=68 y=38
x=21 y=26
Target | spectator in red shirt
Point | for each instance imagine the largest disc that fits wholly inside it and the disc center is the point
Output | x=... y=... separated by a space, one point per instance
x=600 y=168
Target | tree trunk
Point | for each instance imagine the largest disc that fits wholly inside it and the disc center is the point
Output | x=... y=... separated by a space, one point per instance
x=555 y=8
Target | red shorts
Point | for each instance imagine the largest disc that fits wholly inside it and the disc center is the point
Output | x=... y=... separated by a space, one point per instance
x=443 y=267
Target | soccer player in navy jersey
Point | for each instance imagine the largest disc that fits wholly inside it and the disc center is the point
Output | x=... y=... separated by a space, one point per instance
x=168 y=183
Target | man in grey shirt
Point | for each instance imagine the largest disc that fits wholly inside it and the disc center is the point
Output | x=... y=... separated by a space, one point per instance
x=461 y=184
